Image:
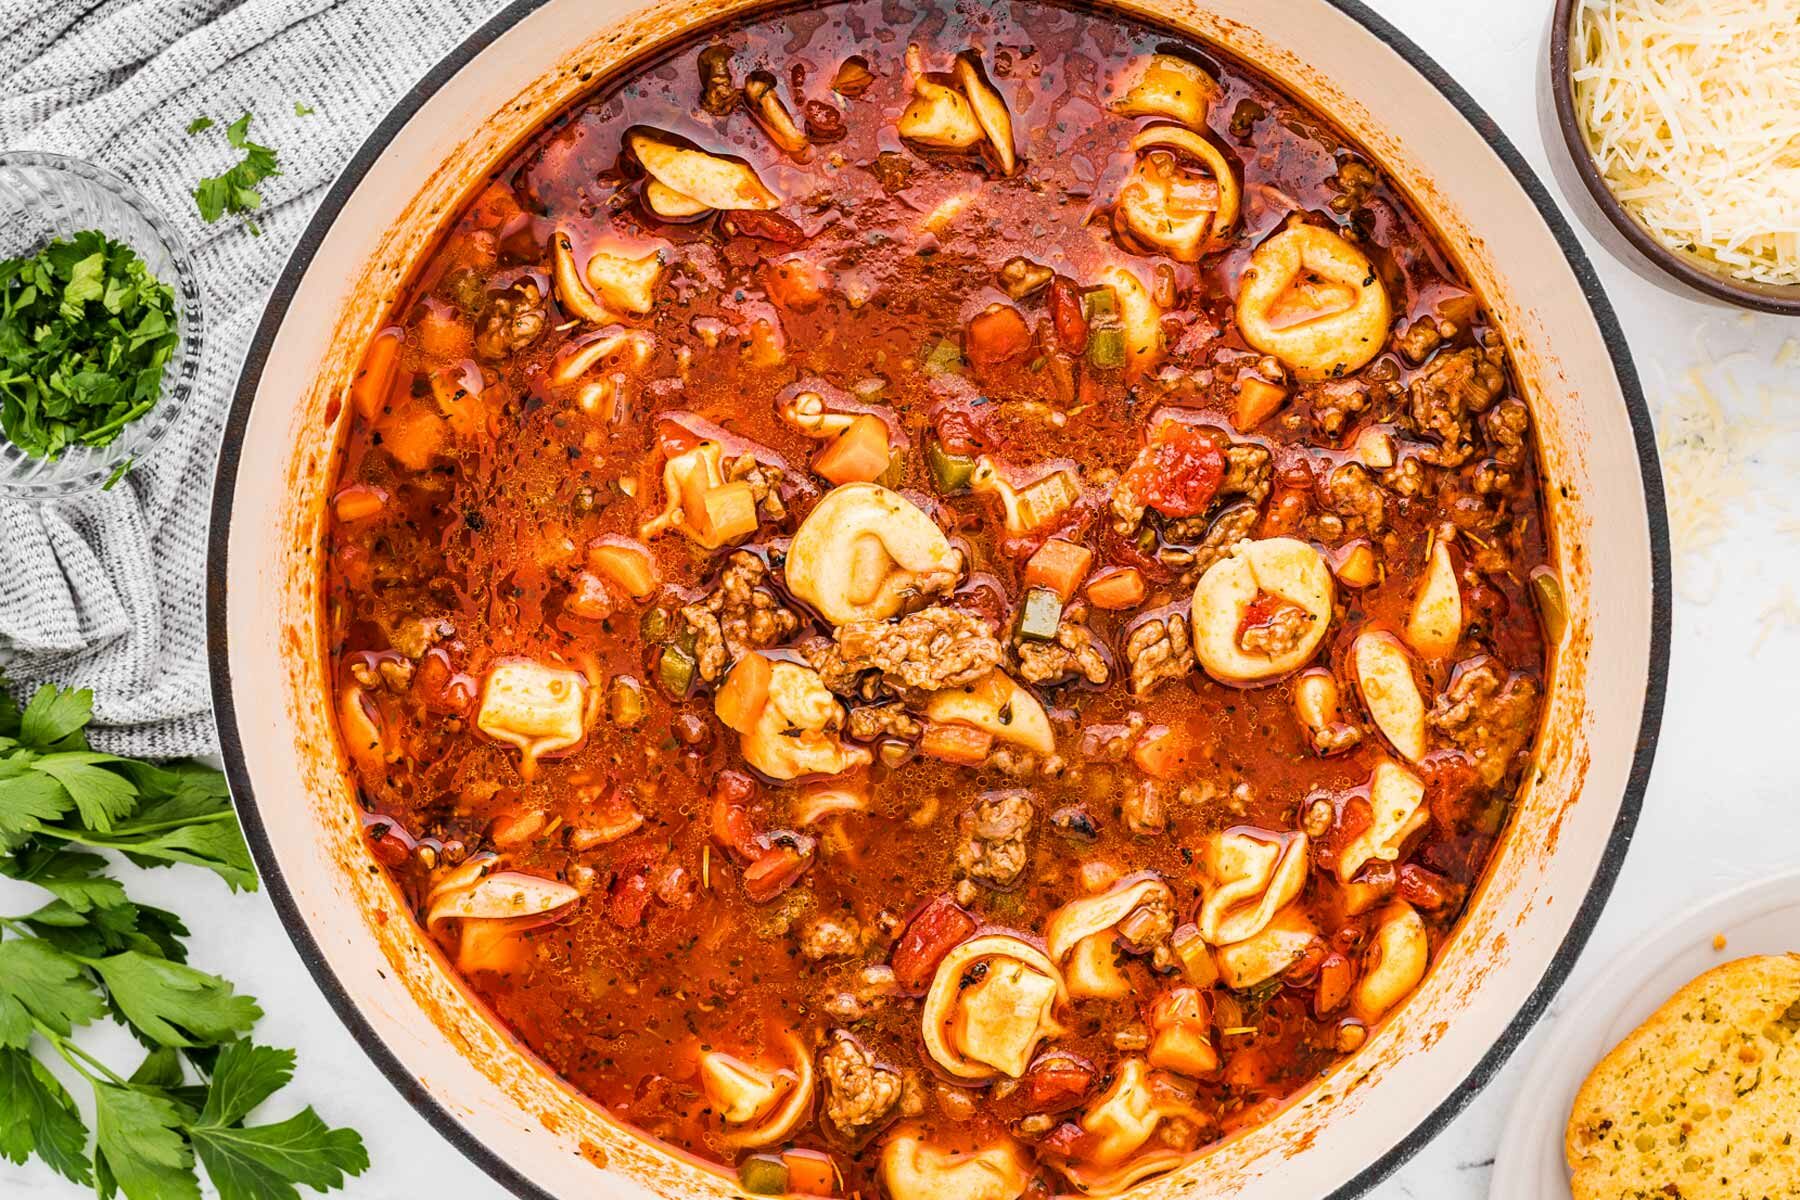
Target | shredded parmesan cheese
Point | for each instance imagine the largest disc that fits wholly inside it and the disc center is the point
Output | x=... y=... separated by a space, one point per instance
x=1727 y=448
x=1692 y=111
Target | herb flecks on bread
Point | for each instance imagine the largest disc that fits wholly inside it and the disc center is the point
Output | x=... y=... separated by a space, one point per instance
x=1701 y=1101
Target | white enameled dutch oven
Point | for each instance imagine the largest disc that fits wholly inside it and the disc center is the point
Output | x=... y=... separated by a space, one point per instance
x=1526 y=924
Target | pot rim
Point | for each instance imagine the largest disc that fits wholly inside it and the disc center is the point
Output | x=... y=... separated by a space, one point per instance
x=305 y=941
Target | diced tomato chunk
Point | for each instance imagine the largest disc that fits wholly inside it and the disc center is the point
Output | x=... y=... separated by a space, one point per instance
x=1179 y=472
x=930 y=935
x=1057 y=1081
x=1337 y=974
x=1066 y=315
x=775 y=870
x=628 y=898
x=731 y=825
x=1425 y=889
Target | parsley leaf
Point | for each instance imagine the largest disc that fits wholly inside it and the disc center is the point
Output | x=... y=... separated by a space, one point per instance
x=91 y=952
x=235 y=192
x=262 y=1162
x=302 y=109
x=101 y=796
x=174 y=1004
x=243 y=1078
x=39 y=983
x=69 y=875
x=40 y=1118
x=53 y=715
x=199 y=125
x=86 y=332
x=140 y=1144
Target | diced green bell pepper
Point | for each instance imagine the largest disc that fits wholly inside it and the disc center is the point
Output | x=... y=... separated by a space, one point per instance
x=1106 y=349
x=950 y=472
x=762 y=1176
x=675 y=670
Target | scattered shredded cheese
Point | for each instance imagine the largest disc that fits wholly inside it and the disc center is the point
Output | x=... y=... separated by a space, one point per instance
x=1692 y=110
x=1727 y=451
x=1781 y=614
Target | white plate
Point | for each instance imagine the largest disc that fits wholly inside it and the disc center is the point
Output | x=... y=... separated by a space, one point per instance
x=1761 y=918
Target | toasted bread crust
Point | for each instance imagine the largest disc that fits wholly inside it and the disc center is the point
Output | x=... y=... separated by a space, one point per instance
x=1701 y=1101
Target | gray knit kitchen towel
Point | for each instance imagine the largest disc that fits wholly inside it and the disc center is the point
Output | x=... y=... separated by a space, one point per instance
x=108 y=591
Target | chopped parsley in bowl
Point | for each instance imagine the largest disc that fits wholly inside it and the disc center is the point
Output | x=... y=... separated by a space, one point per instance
x=100 y=323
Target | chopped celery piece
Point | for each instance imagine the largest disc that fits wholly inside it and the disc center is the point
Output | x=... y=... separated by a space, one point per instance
x=950 y=472
x=675 y=670
x=945 y=358
x=656 y=624
x=763 y=1176
x=1098 y=304
x=1106 y=349
x=1041 y=615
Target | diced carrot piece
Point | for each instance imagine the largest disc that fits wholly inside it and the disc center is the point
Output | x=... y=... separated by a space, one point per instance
x=1116 y=588
x=441 y=334
x=413 y=436
x=626 y=563
x=724 y=513
x=996 y=334
x=358 y=502
x=961 y=744
x=464 y=409
x=744 y=693
x=1257 y=400
x=810 y=1172
x=1059 y=565
x=1160 y=753
x=860 y=454
x=369 y=390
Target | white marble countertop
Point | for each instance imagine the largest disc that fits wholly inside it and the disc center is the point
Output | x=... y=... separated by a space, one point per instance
x=1721 y=807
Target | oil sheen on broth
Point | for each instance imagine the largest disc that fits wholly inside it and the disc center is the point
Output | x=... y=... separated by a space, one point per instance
x=938 y=602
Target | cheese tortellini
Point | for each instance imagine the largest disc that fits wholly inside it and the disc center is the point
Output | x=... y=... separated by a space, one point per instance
x=912 y=1168
x=689 y=181
x=1243 y=965
x=699 y=501
x=796 y=731
x=991 y=1026
x=1398 y=799
x=1248 y=876
x=1384 y=678
x=1398 y=954
x=1082 y=935
x=1170 y=206
x=997 y=704
x=758 y=1104
x=1262 y=610
x=957 y=112
x=1121 y=1124
x=864 y=553
x=1313 y=301
x=537 y=709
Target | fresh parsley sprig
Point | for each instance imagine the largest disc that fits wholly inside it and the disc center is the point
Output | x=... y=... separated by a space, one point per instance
x=235 y=192
x=85 y=333
x=90 y=952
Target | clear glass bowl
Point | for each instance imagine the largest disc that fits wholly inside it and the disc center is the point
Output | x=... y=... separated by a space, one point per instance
x=49 y=196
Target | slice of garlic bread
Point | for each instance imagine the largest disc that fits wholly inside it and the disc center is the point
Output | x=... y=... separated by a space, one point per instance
x=1701 y=1101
